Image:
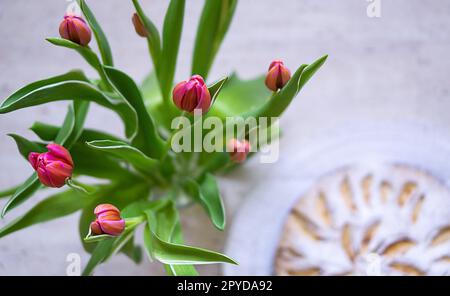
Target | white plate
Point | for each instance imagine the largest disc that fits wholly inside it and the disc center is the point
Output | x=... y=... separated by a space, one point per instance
x=256 y=227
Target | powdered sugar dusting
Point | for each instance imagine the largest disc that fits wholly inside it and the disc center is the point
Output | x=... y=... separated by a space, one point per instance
x=384 y=219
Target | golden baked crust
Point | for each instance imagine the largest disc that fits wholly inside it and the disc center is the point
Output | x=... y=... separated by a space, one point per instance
x=383 y=220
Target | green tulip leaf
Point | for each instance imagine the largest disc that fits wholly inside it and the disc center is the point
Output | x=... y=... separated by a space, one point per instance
x=281 y=99
x=48 y=132
x=97 y=238
x=172 y=28
x=67 y=127
x=171 y=269
x=214 y=22
x=215 y=89
x=132 y=251
x=169 y=219
x=120 y=242
x=96 y=163
x=239 y=96
x=212 y=199
x=81 y=187
x=179 y=270
x=86 y=52
x=26 y=147
x=208 y=195
x=175 y=254
x=147 y=235
x=44 y=131
x=161 y=112
x=150 y=90
x=30 y=186
x=147 y=139
x=164 y=218
x=8 y=192
x=164 y=226
x=105 y=249
x=72 y=75
x=70 y=86
x=100 y=37
x=101 y=251
x=56 y=206
x=80 y=110
x=127 y=153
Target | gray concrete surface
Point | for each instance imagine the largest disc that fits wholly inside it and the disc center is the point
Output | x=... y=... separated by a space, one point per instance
x=389 y=69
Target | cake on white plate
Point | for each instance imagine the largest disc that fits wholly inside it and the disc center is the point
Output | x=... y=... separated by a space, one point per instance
x=388 y=220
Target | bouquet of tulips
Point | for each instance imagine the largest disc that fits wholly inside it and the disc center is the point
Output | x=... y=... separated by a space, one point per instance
x=144 y=177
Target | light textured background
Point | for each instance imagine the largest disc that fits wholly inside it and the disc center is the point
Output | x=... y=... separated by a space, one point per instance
x=389 y=69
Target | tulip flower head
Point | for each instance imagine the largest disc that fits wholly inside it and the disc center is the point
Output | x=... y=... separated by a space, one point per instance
x=139 y=26
x=75 y=29
x=53 y=167
x=192 y=94
x=238 y=150
x=278 y=75
x=108 y=220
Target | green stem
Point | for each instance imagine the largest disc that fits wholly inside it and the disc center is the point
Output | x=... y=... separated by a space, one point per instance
x=83 y=188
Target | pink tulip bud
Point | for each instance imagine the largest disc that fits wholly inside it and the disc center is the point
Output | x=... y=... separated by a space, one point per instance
x=238 y=150
x=108 y=220
x=278 y=75
x=139 y=26
x=75 y=29
x=192 y=94
x=53 y=167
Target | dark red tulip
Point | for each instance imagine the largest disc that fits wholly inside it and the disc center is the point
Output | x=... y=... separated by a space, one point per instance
x=53 y=167
x=192 y=94
x=75 y=29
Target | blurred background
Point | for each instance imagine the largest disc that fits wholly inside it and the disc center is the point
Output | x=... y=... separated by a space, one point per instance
x=390 y=69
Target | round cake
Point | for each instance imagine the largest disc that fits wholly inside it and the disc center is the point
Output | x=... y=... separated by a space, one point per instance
x=385 y=220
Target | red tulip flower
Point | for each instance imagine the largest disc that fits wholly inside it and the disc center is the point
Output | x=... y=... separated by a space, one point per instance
x=53 y=167
x=239 y=150
x=75 y=29
x=139 y=26
x=108 y=220
x=278 y=75
x=192 y=94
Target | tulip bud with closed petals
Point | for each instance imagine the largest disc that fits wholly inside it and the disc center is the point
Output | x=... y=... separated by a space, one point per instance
x=278 y=75
x=238 y=150
x=192 y=94
x=53 y=167
x=108 y=220
x=75 y=29
x=139 y=26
